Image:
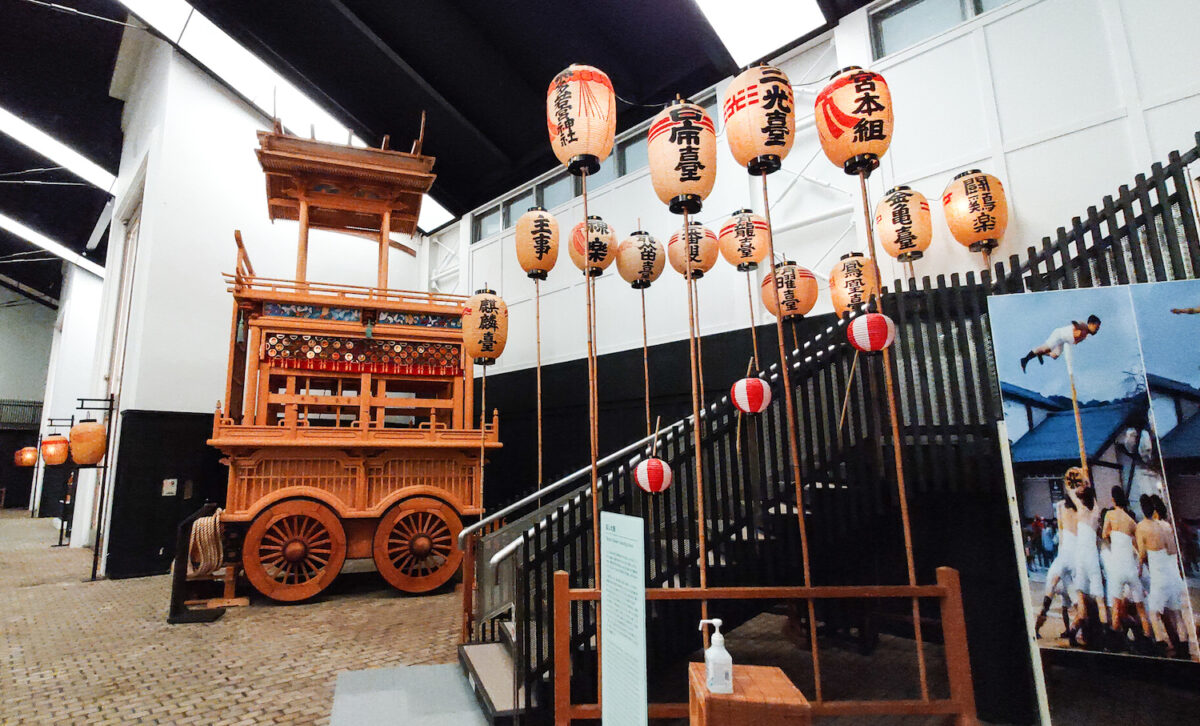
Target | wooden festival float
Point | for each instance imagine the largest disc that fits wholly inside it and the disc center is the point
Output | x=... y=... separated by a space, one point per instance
x=347 y=422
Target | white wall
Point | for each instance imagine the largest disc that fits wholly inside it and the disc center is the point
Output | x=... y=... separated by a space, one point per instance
x=26 y=331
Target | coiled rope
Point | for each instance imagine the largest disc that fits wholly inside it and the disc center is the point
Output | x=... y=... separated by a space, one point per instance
x=205 y=551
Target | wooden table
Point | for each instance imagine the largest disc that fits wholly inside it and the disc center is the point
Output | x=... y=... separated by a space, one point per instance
x=761 y=696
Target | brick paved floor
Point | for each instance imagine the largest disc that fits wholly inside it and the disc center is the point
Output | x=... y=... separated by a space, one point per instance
x=102 y=653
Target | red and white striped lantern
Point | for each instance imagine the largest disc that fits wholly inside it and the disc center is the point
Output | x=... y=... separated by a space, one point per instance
x=682 y=150
x=751 y=395
x=653 y=475
x=871 y=333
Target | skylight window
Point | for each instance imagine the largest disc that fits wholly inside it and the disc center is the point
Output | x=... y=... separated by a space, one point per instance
x=31 y=235
x=53 y=149
x=751 y=29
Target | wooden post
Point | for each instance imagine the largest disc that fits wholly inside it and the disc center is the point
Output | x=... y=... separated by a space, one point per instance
x=468 y=586
x=753 y=332
x=302 y=246
x=587 y=284
x=645 y=362
x=958 y=659
x=1069 y=350
x=701 y=518
x=537 y=306
x=385 y=229
x=562 y=648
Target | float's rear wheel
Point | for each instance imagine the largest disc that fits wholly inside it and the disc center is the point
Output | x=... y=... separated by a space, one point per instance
x=294 y=549
x=416 y=544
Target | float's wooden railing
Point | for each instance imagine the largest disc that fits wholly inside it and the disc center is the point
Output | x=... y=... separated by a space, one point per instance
x=960 y=704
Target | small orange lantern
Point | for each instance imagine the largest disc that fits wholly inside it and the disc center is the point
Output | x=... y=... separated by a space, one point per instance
x=26 y=456
x=484 y=327
x=744 y=240
x=581 y=115
x=700 y=252
x=854 y=119
x=537 y=242
x=88 y=439
x=640 y=259
x=976 y=210
x=797 y=290
x=55 y=449
x=682 y=147
x=903 y=223
x=852 y=282
x=594 y=251
x=760 y=118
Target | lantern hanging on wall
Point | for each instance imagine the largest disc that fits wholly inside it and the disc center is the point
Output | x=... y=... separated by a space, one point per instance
x=653 y=475
x=484 y=327
x=537 y=242
x=903 y=223
x=54 y=449
x=852 y=282
x=581 y=115
x=751 y=395
x=682 y=149
x=871 y=333
x=88 y=439
x=854 y=119
x=700 y=252
x=797 y=290
x=640 y=259
x=594 y=250
x=743 y=240
x=759 y=114
x=976 y=210
x=26 y=456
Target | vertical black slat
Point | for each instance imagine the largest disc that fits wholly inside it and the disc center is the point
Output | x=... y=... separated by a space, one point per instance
x=1174 y=248
x=681 y=512
x=831 y=471
x=1133 y=238
x=751 y=472
x=1096 y=252
x=982 y=362
x=1084 y=256
x=939 y=389
x=971 y=385
x=1074 y=274
x=873 y=417
x=832 y=522
x=1153 y=243
x=1116 y=253
x=907 y=365
x=851 y=466
x=1054 y=279
x=1187 y=211
x=1035 y=280
x=951 y=350
x=923 y=382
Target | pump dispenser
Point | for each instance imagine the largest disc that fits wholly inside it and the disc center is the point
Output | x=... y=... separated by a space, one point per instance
x=718 y=664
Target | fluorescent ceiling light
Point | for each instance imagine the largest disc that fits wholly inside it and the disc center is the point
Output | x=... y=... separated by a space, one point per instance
x=53 y=149
x=31 y=235
x=750 y=29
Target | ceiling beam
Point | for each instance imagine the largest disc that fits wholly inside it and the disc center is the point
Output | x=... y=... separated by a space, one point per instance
x=35 y=295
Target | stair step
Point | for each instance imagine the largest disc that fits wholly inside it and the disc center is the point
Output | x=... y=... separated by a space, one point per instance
x=491 y=674
x=508 y=634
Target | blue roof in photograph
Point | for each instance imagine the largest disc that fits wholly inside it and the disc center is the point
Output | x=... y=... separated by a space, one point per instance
x=1025 y=395
x=1183 y=442
x=1179 y=388
x=1054 y=439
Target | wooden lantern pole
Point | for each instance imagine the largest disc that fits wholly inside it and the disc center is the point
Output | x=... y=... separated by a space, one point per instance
x=753 y=332
x=645 y=362
x=899 y=460
x=785 y=370
x=587 y=274
x=699 y=345
x=537 y=317
x=701 y=517
x=1083 y=462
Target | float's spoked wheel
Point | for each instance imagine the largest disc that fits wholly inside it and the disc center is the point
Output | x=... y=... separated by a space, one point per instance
x=416 y=544
x=294 y=549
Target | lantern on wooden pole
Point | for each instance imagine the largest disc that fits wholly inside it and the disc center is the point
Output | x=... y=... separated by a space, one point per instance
x=795 y=293
x=581 y=116
x=743 y=241
x=853 y=281
x=640 y=261
x=25 y=456
x=976 y=211
x=55 y=449
x=904 y=225
x=692 y=258
x=485 y=333
x=537 y=251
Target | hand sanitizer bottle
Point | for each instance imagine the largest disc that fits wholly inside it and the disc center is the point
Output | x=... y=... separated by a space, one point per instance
x=718 y=664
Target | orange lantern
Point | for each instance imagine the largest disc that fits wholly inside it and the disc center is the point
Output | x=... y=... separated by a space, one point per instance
x=797 y=290
x=759 y=113
x=484 y=327
x=581 y=115
x=640 y=259
x=700 y=252
x=976 y=210
x=594 y=251
x=854 y=119
x=852 y=282
x=54 y=450
x=26 y=456
x=682 y=146
x=903 y=223
x=744 y=240
x=88 y=439
x=537 y=242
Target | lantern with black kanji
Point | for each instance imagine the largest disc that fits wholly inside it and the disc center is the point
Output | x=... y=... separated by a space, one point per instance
x=537 y=242
x=903 y=223
x=652 y=475
x=88 y=439
x=594 y=249
x=854 y=119
x=55 y=449
x=581 y=115
x=976 y=210
x=26 y=456
x=852 y=282
x=744 y=240
x=484 y=327
x=759 y=113
x=797 y=290
x=640 y=259
x=871 y=333
x=751 y=395
x=682 y=149
x=699 y=254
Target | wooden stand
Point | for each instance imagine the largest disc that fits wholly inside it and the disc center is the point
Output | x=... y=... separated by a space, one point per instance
x=762 y=696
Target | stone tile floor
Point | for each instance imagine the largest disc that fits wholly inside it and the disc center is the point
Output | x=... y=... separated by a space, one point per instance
x=75 y=652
